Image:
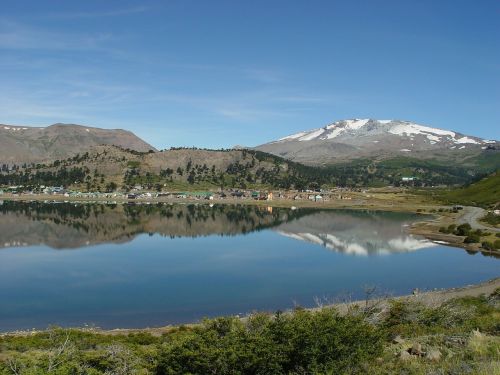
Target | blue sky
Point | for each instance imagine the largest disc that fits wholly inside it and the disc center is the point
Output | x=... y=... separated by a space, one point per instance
x=220 y=73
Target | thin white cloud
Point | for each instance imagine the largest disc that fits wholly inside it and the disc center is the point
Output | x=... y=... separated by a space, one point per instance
x=15 y=110
x=245 y=105
x=16 y=36
x=98 y=14
x=301 y=99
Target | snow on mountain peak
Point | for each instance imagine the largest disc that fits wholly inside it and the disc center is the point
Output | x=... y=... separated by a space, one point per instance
x=327 y=132
x=409 y=128
x=350 y=124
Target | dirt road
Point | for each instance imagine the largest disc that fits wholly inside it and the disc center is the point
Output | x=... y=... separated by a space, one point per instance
x=472 y=215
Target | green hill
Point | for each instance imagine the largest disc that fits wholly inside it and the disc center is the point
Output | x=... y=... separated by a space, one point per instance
x=485 y=193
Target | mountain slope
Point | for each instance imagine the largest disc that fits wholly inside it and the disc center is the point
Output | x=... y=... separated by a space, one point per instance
x=485 y=192
x=21 y=144
x=380 y=139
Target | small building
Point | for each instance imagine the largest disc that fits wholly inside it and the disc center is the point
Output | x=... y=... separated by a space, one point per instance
x=408 y=179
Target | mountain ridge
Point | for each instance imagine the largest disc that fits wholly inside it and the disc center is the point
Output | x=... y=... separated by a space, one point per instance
x=26 y=144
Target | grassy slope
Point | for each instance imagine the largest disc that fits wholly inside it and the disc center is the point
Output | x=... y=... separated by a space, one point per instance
x=385 y=172
x=485 y=193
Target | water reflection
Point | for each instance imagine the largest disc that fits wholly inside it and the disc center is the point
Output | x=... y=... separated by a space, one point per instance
x=70 y=225
x=356 y=233
x=178 y=264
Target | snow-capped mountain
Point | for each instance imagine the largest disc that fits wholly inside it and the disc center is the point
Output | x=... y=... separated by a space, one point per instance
x=356 y=138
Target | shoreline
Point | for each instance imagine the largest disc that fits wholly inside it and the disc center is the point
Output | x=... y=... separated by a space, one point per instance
x=358 y=201
x=431 y=298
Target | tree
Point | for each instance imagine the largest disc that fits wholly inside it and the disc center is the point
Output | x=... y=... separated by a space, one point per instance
x=112 y=186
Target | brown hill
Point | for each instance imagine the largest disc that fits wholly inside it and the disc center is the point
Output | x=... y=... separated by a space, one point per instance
x=107 y=167
x=21 y=144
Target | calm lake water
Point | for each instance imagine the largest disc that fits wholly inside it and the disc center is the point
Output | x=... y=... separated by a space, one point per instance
x=153 y=265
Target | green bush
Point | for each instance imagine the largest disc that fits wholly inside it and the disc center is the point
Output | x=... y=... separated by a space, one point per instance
x=303 y=342
x=487 y=245
x=463 y=229
x=492 y=219
x=472 y=238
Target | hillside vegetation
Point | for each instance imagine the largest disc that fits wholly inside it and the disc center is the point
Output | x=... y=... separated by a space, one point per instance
x=403 y=337
x=485 y=193
x=108 y=168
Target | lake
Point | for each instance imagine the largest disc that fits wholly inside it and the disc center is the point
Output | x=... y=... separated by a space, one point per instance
x=152 y=265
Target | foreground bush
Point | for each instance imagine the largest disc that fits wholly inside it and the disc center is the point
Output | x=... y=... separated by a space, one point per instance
x=295 y=343
x=303 y=342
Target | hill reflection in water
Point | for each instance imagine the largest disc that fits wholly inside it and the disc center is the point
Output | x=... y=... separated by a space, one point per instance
x=71 y=226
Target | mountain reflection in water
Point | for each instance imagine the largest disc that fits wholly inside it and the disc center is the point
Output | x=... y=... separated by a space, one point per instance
x=70 y=225
x=357 y=233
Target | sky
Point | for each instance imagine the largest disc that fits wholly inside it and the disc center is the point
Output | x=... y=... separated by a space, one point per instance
x=223 y=73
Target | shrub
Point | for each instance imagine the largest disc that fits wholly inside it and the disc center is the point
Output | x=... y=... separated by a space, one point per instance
x=487 y=245
x=401 y=317
x=473 y=238
x=463 y=229
x=305 y=342
x=479 y=232
x=491 y=218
